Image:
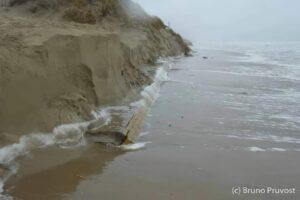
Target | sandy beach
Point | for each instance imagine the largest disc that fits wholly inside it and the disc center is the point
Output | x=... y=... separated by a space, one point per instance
x=200 y=141
x=100 y=99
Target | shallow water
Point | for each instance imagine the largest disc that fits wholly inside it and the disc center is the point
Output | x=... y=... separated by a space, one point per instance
x=231 y=120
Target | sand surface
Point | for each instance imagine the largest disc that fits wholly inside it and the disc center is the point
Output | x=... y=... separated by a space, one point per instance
x=187 y=151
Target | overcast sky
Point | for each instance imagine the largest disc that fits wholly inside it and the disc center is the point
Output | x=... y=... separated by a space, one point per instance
x=267 y=20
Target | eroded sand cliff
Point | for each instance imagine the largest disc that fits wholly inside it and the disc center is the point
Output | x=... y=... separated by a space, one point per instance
x=55 y=71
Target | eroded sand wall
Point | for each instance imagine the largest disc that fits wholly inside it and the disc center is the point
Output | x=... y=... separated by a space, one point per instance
x=60 y=78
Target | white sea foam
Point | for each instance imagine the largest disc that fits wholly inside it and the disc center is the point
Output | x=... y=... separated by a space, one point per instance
x=103 y=114
x=4 y=197
x=268 y=138
x=26 y=143
x=135 y=146
x=261 y=58
x=255 y=149
x=72 y=135
x=142 y=134
x=64 y=136
x=278 y=149
x=151 y=92
x=276 y=61
x=149 y=95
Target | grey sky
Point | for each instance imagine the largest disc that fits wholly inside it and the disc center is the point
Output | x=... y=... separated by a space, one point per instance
x=230 y=19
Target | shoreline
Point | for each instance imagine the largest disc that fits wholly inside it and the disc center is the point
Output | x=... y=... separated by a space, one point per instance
x=70 y=137
x=59 y=63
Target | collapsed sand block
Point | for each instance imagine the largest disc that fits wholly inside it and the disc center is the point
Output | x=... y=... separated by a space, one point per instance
x=124 y=128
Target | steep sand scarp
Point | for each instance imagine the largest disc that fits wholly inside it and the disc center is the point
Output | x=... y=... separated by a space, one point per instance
x=55 y=71
x=60 y=60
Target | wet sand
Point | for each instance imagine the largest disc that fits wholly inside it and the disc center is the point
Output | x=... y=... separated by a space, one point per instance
x=209 y=131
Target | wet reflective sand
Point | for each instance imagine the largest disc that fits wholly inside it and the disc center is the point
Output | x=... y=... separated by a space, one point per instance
x=219 y=123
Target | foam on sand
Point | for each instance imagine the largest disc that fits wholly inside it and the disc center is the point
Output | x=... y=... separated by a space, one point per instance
x=151 y=92
x=255 y=149
x=72 y=135
x=278 y=149
x=64 y=136
x=135 y=146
